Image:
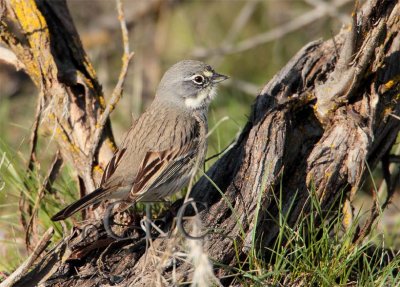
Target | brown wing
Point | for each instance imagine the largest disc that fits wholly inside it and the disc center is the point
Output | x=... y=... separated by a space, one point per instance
x=159 y=167
x=112 y=165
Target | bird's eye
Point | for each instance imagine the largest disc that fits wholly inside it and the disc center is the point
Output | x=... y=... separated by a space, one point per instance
x=198 y=80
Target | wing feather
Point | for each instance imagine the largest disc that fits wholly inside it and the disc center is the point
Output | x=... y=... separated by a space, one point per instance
x=160 y=167
x=112 y=165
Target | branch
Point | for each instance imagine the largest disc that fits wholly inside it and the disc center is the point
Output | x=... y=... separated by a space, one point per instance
x=338 y=89
x=117 y=92
x=25 y=207
x=374 y=213
x=273 y=34
x=49 y=47
x=34 y=134
x=240 y=22
x=24 y=268
x=332 y=9
x=244 y=86
x=46 y=186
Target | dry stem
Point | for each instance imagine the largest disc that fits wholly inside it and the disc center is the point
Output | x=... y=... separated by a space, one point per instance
x=117 y=92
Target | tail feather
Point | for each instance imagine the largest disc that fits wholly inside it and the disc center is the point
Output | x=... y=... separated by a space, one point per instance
x=80 y=204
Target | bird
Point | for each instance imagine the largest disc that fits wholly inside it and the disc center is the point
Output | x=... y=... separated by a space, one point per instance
x=164 y=146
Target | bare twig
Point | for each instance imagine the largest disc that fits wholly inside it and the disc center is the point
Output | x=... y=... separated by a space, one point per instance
x=219 y=154
x=244 y=86
x=332 y=9
x=46 y=186
x=54 y=170
x=389 y=184
x=365 y=230
x=24 y=267
x=240 y=21
x=237 y=26
x=34 y=134
x=23 y=210
x=25 y=207
x=388 y=171
x=273 y=34
x=395 y=116
x=116 y=94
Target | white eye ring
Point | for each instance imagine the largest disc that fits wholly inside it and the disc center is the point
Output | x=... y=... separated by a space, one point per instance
x=198 y=79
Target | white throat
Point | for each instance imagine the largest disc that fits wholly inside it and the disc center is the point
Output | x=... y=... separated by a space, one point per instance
x=202 y=100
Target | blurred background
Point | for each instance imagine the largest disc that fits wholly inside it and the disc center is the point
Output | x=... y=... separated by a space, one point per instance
x=247 y=40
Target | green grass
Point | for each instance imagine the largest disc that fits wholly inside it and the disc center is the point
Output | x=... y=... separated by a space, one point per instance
x=16 y=181
x=318 y=255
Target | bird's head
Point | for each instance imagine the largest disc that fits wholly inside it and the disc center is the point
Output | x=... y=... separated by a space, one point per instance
x=189 y=84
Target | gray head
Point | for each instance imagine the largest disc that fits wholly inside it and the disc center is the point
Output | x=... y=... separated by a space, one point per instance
x=189 y=84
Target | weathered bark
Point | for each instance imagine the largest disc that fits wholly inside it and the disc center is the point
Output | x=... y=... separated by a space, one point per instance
x=70 y=103
x=44 y=39
x=314 y=126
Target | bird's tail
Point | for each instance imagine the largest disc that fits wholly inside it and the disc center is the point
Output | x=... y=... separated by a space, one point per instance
x=80 y=204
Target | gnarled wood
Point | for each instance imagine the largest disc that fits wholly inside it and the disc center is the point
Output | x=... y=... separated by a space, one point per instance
x=71 y=97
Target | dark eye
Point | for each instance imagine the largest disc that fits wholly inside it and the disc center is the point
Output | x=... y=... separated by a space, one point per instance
x=198 y=80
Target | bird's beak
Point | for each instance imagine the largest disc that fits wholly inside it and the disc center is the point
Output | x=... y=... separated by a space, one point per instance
x=216 y=78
